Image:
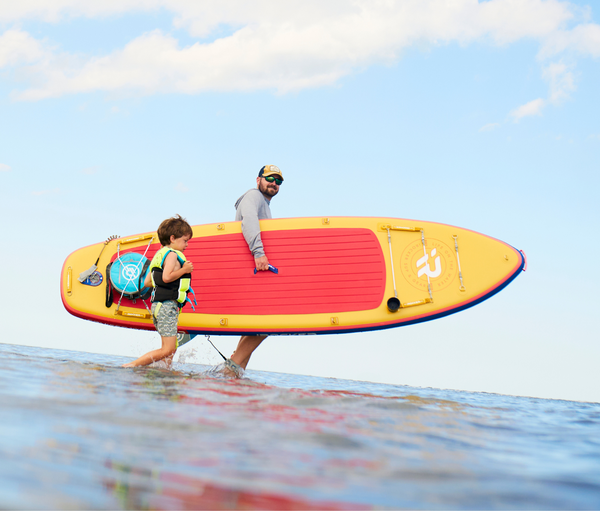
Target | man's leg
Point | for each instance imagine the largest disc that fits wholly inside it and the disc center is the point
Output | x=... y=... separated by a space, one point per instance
x=245 y=348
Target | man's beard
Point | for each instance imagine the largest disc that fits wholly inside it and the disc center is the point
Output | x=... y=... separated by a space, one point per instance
x=270 y=191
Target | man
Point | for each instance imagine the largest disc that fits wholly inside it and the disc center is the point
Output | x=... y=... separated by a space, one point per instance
x=251 y=207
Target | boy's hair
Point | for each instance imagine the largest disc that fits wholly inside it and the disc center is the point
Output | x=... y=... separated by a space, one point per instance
x=176 y=226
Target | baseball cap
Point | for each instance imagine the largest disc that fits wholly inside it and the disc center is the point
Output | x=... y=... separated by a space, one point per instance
x=270 y=170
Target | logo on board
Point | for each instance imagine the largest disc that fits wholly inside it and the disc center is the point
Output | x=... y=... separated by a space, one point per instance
x=130 y=272
x=435 y=264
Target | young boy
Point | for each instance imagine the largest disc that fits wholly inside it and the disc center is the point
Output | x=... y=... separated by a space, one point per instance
x=170 y=276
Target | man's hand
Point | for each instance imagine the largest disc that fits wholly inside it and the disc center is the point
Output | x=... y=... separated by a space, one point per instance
x=261 y=263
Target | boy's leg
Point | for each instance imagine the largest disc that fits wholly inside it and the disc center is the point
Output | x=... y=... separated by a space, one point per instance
x=166 y=351
x=165 y=321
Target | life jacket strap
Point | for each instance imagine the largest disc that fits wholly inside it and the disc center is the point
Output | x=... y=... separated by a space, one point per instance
x=192 y=291
x=187 y=299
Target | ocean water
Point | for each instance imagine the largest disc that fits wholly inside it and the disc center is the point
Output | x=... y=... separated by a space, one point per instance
x=80 y=432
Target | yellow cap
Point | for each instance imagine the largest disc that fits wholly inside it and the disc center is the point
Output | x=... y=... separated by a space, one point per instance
x=270 y=170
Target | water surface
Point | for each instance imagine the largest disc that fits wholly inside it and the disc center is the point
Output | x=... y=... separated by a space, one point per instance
x=80 y=432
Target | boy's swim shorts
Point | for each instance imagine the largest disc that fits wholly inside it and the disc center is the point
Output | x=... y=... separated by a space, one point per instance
x=164 y=316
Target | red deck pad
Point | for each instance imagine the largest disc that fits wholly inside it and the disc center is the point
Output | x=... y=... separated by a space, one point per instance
x=320 y=271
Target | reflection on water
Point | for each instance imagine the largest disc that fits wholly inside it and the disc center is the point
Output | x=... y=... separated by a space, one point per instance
x=180 y=491
x=79 y=432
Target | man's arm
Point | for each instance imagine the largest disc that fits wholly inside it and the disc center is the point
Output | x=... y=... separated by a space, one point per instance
x=248 y=210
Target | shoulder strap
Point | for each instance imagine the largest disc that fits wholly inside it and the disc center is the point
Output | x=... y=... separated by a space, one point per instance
x=177 y=253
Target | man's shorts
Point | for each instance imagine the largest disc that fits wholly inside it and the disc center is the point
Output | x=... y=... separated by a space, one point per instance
x=165 y=316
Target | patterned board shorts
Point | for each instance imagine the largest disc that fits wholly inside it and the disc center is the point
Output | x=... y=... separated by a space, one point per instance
x=165 y=318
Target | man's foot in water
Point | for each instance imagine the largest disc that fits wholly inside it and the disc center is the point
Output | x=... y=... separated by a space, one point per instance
x=231 y=369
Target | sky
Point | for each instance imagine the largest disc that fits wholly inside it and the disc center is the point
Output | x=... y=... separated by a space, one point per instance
x=485 y=115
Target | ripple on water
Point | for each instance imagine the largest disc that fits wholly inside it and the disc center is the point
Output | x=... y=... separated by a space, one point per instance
x=78 y=431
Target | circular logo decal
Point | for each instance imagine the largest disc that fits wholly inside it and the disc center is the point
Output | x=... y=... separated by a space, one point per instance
x=130 y=272
x=436 y=264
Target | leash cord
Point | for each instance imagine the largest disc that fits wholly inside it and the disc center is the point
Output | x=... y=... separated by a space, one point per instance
x=208 y=339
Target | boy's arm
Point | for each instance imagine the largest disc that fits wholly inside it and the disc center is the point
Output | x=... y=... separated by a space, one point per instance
x=148 y=280
x=172 y=270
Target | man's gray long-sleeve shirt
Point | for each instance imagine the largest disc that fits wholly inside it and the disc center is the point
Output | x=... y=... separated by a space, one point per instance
x=250 y=208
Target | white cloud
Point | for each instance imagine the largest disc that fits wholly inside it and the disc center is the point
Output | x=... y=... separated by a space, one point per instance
x=532 y=108
x=4 y=167
x=583 y=39
x=180 y=187
x=90 y=171
x=490 y=127
x=274 y=45
x=54 y=11
x=504 y=20
x=561 y=81
x=18 y=47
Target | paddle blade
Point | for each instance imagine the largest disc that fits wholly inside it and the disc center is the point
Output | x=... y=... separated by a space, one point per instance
x=85 y=274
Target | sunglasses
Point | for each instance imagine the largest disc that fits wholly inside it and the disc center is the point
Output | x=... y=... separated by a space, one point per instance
x=277 y=180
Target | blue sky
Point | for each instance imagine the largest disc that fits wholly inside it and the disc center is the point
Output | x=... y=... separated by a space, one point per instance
x=116 y=115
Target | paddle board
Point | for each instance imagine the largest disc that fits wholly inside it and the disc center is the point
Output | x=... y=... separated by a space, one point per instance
x=331 y=275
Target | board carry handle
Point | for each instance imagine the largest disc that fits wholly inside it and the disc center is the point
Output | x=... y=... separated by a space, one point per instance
x=69 y=281
x=136 y=238
x=416 y=302
x=388 y=227
x=271 y=268
x=141 y=315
